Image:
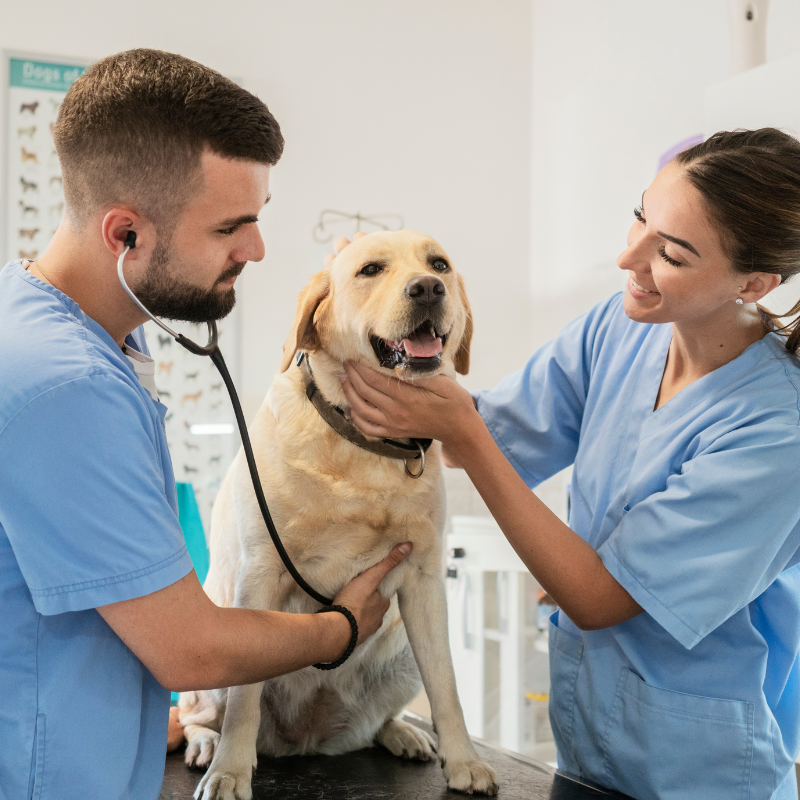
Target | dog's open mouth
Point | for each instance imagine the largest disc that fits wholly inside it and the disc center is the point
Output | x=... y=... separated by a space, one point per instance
x=420 y=350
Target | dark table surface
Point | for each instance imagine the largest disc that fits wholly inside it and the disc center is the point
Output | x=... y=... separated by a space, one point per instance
x=375 y=774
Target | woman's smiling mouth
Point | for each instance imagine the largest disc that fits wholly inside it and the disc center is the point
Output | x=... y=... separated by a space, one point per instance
x=640 y=289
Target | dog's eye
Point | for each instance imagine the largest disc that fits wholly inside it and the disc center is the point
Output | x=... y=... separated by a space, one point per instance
x=371 y=269
x=440 y=266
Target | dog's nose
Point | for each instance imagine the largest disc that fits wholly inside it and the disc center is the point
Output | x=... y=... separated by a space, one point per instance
x=427 y=290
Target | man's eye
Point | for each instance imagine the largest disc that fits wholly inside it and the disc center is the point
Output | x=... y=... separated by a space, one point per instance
x=371 y=269
x=440 y=265
x=229 y=231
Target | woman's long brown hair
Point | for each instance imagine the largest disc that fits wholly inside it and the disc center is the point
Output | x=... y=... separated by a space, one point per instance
x=750 y=181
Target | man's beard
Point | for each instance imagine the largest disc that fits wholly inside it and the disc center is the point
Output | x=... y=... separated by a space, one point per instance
x=165 y=295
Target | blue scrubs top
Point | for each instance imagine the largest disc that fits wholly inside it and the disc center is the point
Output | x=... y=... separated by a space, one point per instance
x=88 y=516
x=695 y=510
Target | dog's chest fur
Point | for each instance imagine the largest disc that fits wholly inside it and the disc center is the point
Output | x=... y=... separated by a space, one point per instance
x=339 y=509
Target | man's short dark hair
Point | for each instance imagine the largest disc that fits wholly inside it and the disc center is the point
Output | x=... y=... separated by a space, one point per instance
x=132 y=130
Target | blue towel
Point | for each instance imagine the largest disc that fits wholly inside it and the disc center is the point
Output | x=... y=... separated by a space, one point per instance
x=192 y=525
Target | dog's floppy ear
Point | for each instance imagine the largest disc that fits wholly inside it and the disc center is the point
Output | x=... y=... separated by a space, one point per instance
x=461 y=360
x=304 y=334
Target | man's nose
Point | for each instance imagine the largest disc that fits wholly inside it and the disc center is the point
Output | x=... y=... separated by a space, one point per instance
x=427 y=290
x=253 y=248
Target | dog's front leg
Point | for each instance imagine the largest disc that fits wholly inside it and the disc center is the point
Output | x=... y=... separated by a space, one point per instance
x=423 y=607
x=231 y=771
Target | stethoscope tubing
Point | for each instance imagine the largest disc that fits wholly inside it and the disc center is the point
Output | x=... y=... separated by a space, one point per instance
x=211 y=349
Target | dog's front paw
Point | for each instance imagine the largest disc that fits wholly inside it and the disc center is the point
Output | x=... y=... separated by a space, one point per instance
x=226 y=782
x=200 y=747
x=406 y=741
x=472 y=777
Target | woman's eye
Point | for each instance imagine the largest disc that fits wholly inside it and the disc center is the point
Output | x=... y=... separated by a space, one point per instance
x=638 y=213
x=663 y=253
x=440 y=266
x=371 y=269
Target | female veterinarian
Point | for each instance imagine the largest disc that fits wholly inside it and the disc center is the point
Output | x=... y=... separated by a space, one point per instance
x=674 y=657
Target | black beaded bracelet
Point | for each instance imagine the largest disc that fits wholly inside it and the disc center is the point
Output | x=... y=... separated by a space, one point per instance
x=353 y=638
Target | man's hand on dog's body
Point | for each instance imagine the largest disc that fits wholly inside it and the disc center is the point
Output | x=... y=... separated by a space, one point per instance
x=362 y=598
x=188 y=642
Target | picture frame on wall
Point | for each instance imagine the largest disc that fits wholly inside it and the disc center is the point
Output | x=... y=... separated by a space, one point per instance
x=31 y=192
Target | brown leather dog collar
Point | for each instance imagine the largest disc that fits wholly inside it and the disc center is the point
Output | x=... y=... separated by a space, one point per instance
x=334 y=416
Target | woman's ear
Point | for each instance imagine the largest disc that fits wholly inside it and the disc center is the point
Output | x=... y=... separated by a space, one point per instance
x=760 y=284
x=305 y=331
x=461 y=360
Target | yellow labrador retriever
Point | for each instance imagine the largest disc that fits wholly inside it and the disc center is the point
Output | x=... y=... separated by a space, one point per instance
x=394 y=302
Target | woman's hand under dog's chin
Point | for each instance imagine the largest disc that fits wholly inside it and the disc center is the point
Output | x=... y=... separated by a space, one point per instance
x=430 y=408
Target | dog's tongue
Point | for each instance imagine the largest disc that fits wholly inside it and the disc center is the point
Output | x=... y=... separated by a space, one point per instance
x=422 y=344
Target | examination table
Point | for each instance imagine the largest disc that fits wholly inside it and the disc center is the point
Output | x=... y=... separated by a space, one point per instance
x=375 y=774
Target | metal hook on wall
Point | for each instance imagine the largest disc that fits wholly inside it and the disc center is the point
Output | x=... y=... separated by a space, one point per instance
x=322 y=232
x=747 y=25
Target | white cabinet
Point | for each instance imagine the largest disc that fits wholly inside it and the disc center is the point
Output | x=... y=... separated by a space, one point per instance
x=499 y=652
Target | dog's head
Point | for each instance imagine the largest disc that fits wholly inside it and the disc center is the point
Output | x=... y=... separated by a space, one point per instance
x=389 y=300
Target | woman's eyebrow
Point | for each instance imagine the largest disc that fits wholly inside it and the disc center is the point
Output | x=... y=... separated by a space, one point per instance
x=676 y=240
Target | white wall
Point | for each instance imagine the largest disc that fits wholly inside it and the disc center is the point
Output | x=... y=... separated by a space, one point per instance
x=520 y=134
x=615 y=85
x=409 y=106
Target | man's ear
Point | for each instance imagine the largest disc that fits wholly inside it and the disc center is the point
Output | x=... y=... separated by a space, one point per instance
x=461 y=360
x=115 y=225
x=304 y=334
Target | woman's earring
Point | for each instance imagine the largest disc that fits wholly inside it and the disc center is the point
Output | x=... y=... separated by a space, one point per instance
x=739 y=301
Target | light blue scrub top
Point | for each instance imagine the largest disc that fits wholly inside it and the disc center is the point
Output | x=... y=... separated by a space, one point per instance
x=88 y=516
x=695 y=510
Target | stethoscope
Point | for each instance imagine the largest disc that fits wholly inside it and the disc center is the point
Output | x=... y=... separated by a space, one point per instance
x=212 y=350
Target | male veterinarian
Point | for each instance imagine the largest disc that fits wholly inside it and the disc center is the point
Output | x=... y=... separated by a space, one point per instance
x=101 y=609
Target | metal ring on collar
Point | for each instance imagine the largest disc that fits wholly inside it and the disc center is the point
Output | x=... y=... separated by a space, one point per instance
x=422 y=466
